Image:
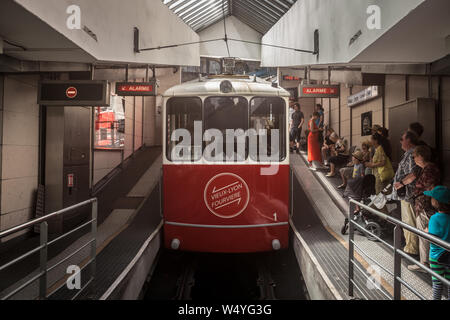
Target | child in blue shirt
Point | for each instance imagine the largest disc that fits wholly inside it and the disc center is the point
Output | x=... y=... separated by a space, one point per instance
x=439 y=226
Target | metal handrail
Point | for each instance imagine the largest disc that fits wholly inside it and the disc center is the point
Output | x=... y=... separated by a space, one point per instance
x=44 y=243
x=45 y=218
x=445 y=245
x=398 y=253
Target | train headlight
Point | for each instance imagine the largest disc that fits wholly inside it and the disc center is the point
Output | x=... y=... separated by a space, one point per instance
x=276 y=245
x=175 y=245
x=226 y=86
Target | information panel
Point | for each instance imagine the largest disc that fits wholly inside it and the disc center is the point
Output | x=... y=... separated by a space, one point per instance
x=83 y=93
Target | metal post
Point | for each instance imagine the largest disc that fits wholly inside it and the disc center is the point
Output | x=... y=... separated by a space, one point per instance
x=43 y=260
x=351 y=238
x=397 y=263
x=94 y=237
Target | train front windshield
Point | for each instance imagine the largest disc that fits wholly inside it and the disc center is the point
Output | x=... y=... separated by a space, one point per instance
x=232 y=120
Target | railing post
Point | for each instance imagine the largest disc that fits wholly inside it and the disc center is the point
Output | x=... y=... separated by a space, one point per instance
x=94 y=238
x=397 y=263
x=351 y=236
x=43 y=260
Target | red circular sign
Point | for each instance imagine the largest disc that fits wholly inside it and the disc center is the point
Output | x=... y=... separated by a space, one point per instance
x=71 y=92
x=226 y=195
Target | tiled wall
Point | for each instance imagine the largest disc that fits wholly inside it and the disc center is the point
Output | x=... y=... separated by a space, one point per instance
x=20 y=150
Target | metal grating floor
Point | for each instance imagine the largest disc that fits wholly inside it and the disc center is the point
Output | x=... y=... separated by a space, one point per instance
x=329 y=252
x=116 y=256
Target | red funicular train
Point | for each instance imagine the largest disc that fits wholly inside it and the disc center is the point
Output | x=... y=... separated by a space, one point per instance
x=226 y=165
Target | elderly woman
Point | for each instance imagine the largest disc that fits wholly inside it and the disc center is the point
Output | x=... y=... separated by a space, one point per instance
x=328 y=145
x=380 y=164
x=428 y=177
x=340 y=158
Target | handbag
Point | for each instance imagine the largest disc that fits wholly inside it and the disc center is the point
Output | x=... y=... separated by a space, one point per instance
x=401 y=193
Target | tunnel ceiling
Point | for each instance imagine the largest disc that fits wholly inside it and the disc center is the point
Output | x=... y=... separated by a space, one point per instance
x=261 y=15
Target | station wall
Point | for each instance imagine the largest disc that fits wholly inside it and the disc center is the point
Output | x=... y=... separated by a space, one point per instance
x=19 y=148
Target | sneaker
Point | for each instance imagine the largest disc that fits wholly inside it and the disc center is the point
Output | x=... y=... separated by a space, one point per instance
x=330 y=175
x=342 y=186
x=415 y=268
x=312 y=168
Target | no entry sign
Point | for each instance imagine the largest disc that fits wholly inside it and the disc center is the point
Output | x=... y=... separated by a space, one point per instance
x=319 y=91
x=71 y=92
x=136 y=89
x=83 y=93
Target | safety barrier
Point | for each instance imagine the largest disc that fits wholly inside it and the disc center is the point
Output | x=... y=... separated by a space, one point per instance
x=398 y=253
x=45 y=243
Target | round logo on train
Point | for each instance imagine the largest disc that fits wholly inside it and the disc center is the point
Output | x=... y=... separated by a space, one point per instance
x=226 y=195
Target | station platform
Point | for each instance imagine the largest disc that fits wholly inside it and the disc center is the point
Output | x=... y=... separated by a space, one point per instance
x=318 y=227
x=126 y=217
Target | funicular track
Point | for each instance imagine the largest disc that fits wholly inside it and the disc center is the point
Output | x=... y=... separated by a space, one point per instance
x=204 y=276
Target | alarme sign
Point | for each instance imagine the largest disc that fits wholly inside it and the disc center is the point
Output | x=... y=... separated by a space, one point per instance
x=135 y=89
x=319 y=91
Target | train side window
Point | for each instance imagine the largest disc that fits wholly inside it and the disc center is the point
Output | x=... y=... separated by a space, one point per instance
x=182 y=112
x=222 y=116
x=269 y=113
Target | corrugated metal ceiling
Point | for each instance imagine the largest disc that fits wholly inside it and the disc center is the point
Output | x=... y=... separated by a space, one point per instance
x=261 y=15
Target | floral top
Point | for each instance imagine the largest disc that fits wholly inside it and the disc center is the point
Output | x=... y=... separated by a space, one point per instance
x=429 y=178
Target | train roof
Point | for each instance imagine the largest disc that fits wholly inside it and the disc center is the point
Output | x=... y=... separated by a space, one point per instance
x=243 y=85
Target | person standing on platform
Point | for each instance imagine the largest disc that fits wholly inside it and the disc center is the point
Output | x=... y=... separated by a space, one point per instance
x=297 y=125
x=320 y=121
x=439 y=226
x=404 y=189
x=313 y=141
x=381 y=165
x=428 y=178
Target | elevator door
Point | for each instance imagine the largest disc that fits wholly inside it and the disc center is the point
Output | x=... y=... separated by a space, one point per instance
x=76 y=173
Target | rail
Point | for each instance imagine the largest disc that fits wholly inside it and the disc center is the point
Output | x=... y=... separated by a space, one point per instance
x=44 y=268
x=397 y=252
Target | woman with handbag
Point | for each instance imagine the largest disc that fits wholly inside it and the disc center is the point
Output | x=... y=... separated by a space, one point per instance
x=429 y=176
x=381 y=164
